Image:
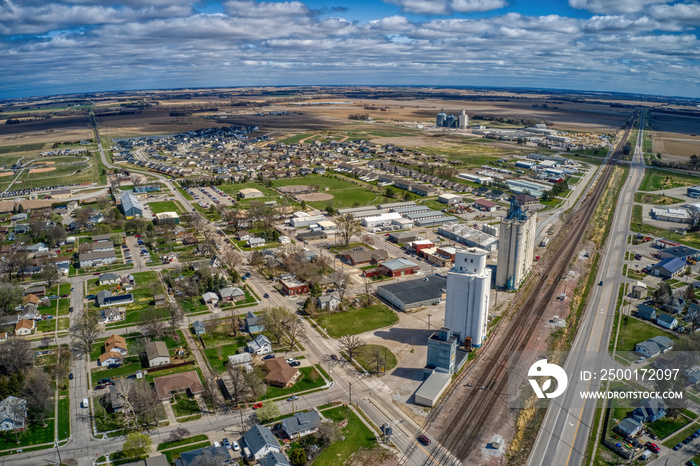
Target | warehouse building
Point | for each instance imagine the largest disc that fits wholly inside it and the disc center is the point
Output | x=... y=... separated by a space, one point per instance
x=410 y=294
x=250 y=193
x=171 y=218
x=131 y=206
x=468 y=236
x=430 y=218
x=380 y=220
x=450 y=199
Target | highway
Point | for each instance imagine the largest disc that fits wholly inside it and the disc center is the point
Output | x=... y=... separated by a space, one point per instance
x=563 y=436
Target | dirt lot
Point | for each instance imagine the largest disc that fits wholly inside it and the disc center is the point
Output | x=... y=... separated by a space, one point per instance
x=153 y=122
x=315 y=197
x=6 y=174
x=42 y=170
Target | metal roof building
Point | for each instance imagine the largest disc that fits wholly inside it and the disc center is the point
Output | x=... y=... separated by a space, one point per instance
x=131 y=206
x=430 y=390
x=414 y=293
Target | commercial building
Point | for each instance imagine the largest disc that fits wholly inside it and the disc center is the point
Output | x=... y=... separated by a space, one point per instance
x=409 y=294
x=398 y=268
x=97 y=258
x=450 y=199
x=380 y=220
x=528 y=187
x=171 y=218
x=669 y=267
x=468 y=236
x=516 y=246
x=131 y=206
x=670 y=215
x=429 y=219
x=467 y=305
x=250 y=193
x=302 y=219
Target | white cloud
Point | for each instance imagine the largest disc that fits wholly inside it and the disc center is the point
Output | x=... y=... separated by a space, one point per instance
x=614 y=6
x=251 y=8
x=444 y=7
x=683 y=13
x=468 y=6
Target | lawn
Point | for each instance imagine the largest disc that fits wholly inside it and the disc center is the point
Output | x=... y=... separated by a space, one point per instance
x=232 y=189
x=367 y=358
x=130 y=365
x=63 y=419
x=184 y=406
x=164 y=206
x=655 y=179
x=351 y=197
x=330 y=182
x=357 y=321
x=33 y=435
x=357 y=436
x=309 y=379
x=633 y=331
x=668 y=426
x=184 y=441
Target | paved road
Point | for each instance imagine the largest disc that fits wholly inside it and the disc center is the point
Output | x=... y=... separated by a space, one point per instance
x=564 y=434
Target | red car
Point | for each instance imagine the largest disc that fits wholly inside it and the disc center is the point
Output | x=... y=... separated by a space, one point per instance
x=424 y=440
x=653 y=447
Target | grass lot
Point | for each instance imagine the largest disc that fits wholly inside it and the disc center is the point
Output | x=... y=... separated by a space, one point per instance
x=218 y=355
x=633 y=331
x=670 y=426
x=184 y=441
x=33 y=435
x=233 y=188
x=357 y=321
x=309 y=379
x=357 y=436
x=323 y=182
x=184 y=406
x=63 y=419
x=21 y=147
x=656 y=199
x=367 y=358
x=655 y=179
x=164 y=206
x=469 y=153
x=294 y=139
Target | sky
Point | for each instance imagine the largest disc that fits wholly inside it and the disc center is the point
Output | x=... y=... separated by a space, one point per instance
x=50 y=47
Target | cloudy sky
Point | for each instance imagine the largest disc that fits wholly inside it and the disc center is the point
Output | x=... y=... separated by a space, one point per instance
x=62 y=46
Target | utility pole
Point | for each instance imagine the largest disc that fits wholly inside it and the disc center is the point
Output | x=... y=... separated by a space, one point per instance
x=350 y=383
x=429 y=315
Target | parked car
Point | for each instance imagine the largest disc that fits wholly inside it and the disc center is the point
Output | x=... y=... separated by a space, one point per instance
x=294 y=363
x=293 y=398
x=677 y=447
x=236 y=446
x=653 y=447
x=269 y=356
x=70 y=376
x=226 y=443
x=424 y=440
x=70 y=309
x=266 y=295
x=100 y=387
x=334 y=357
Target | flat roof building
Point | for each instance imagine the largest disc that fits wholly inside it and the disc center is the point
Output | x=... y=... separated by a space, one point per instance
x=414 y=293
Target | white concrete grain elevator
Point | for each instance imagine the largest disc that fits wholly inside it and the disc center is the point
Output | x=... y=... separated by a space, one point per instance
x=516 y=247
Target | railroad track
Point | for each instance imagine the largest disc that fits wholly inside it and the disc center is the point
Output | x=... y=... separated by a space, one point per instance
x=459 y=436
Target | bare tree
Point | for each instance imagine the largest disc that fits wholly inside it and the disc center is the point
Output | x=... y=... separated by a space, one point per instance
x=255 y=384
x=694 y=214
x=144 y=402
x=229 y=256
x=178 y=434
x=10 y=297
x=350 y=344
x=340 y=280
x=368 y=291
x=238 y=384
x=175 y=316
x=210 y=327
x=38 y=393
x=234 y=322
x=348 y=226
x=153 y=324
x=14 y=263
x=276 y=321
x=84 y=333
x=16 y=354
x=295 y=332
x=49 y=271
x=328 y=432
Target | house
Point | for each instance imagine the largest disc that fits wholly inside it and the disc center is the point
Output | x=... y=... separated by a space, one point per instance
x=668 y=268
x=666 y=321
x=110 y=314
x=13 y=413
x=654 y=346
x=210 y=298
x=159 y=300
x=29 y=312
x=260 y=441
x=184 y=381
x=97 y=258
x=190 y=241
x=256 y=242
x=280 y=374
x=108 y=279
x=30 y=299
x=24 y=327
x=116 y=343
x=301 y=424
x=157 y=353
x=646 y=312
x=109 y=358
x=261 y=345
x=254 y=323
x=232 y=293
x=104 y=298
x=38 y=290
x=242 y=235
x=274 y=459
x=329 y=302
x=211 y=455
x=3 y=337
x=629 y=427
x=649 y=410
x=291 y=286
x=198 y=327
x=117 y=396
x=244 y=360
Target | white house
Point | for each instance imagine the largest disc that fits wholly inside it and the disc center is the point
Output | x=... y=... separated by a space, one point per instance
x=244 y=360
x=210 y=298
x=328 y=302
x=13 y=413
x=666 y=321
x=261 y=345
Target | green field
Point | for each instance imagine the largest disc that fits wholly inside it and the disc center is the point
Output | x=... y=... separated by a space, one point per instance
x=357 y=436
x=656 y=199
x=322 y=181
x=232 y=189
x=655 y=180
x=22 y=147
x=164 y=206
x=357 y=321
x=218 y=355
x=633 y=331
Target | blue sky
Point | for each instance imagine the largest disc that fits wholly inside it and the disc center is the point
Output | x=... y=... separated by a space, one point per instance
x=65 y=46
